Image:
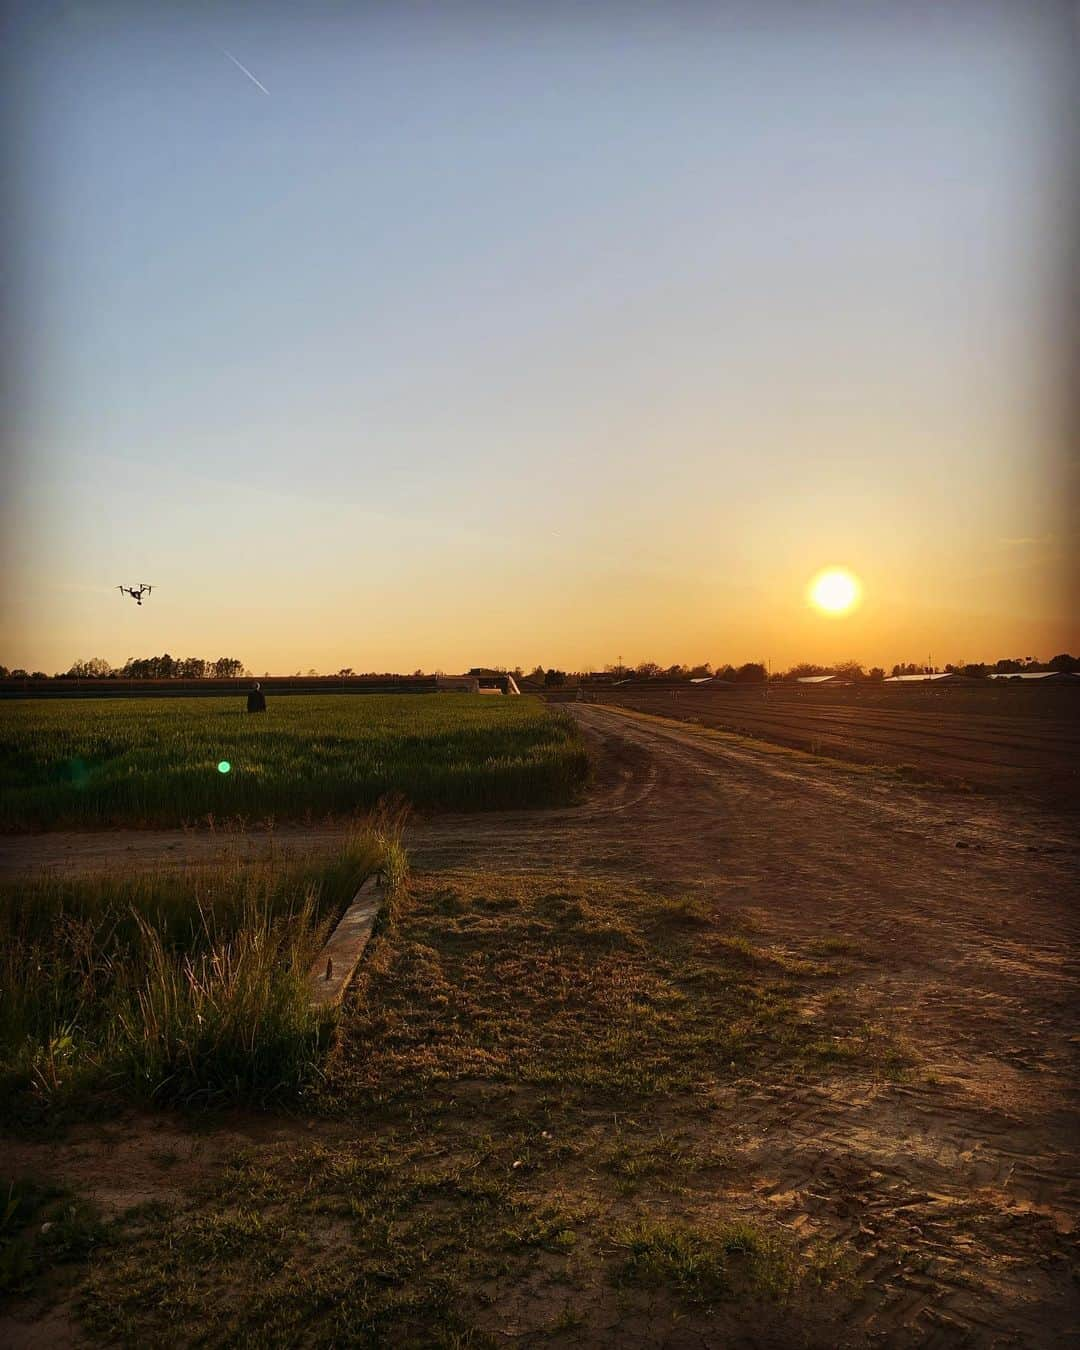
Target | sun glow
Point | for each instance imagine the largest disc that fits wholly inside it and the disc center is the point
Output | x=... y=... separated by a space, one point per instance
x=835 y=591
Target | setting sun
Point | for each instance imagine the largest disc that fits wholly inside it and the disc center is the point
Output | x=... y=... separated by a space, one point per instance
x=835 y=591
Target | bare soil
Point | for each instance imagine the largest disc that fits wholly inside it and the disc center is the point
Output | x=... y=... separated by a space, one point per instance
x=955 y=1187
x=999 y=738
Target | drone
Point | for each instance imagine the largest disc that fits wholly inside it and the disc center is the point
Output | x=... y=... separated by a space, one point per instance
x=136 y=592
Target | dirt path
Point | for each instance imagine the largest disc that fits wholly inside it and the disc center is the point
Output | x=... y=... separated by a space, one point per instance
x=956 y=1189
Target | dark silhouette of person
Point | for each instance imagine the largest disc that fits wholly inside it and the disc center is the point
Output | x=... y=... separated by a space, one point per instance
x=256 y=699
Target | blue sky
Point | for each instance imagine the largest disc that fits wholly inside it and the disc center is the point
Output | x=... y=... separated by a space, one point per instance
x=529 y=333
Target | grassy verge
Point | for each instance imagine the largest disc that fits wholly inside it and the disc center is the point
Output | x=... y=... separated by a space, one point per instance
x=183 y=987
x=530 y=1129
x=156 y=761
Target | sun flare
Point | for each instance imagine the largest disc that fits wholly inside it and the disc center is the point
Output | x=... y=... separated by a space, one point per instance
x=835 y=591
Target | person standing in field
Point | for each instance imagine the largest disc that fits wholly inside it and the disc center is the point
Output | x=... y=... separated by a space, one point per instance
x=256 y=699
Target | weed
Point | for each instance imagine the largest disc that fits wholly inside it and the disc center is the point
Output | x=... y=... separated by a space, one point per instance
x=42 y=1225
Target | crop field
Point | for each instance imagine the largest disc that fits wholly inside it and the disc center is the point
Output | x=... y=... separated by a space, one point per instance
x=176 y=761
x=987 y=738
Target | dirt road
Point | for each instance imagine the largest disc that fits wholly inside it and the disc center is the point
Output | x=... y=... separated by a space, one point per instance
x=955 y=1187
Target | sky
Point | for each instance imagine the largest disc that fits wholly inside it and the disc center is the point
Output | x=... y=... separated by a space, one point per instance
x=499 y=334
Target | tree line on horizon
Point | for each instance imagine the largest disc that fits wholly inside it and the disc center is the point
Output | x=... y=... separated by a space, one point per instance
x=163 y=667
x=167 y=667
x=756 y=672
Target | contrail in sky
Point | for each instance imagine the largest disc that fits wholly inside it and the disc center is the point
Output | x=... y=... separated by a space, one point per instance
x=247 y=72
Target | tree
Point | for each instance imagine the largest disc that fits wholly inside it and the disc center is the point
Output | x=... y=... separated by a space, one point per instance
x=849 y=670
x=5 y=674
x=647 y=670
x=805 y=669
x=226 y=668
x=974 y=671
x=97 y=668
x=554 y=679
x=875 y=674
x=345 y=672
x=1064 y=662
x=701 y=672
x=725 y=672
x=753 y=672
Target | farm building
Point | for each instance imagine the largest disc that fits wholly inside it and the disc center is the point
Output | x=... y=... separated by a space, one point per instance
x=938 y=677
x=1043 y=676
x=479 y=681
x=822 y=679
x=457 y=684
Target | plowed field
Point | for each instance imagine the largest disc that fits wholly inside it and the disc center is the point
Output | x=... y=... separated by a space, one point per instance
x=993 y=738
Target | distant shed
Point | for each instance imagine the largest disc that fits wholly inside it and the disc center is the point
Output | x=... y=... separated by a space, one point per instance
x=938 y=677
x=1042 y=676
x=822 y=679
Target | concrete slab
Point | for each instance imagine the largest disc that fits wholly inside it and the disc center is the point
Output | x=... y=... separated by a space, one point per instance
x=335 y=965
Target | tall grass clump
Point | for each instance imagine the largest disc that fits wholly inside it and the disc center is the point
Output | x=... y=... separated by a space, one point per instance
x=181 y=988
x=155 y=761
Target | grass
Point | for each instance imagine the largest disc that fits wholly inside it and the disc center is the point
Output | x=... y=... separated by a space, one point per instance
x=173 y=987
x=595 y=988
x=154 y=762
x=709 y=1262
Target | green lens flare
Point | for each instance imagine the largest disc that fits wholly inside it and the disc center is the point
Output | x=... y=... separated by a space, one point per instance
x=224 y=766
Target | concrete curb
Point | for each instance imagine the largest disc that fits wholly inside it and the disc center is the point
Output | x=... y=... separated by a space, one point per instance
x=336 y=964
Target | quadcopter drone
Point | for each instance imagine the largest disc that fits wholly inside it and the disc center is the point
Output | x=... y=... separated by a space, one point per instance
x=136 y=592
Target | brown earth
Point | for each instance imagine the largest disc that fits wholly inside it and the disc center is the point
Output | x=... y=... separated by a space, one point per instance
x=996 y=738
x=957 y=1187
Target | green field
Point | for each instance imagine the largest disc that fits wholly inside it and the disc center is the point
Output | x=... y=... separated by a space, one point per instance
x=154 y=761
